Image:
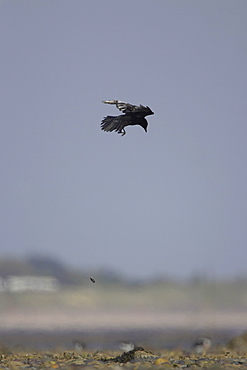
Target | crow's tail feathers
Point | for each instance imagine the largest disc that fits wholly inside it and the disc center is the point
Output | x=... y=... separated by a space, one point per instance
x=111 y=123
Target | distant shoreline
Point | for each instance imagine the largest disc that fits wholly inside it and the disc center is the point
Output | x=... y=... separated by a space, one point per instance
x=96 y=320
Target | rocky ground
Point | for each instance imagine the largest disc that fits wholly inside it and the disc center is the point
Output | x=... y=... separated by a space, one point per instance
x=138 y=358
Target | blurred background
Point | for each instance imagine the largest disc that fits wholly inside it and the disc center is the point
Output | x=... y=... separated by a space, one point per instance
x=157 y=219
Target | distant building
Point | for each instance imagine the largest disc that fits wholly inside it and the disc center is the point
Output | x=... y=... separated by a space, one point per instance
x=29 y=283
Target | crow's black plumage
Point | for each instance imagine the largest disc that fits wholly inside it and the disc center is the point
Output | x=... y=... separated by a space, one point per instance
x=133 y=115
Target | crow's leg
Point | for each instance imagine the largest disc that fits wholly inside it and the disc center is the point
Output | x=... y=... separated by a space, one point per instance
x=123 y=132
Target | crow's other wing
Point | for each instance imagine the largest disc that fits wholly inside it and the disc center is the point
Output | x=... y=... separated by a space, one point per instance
x=117 y=124
x=129 y=108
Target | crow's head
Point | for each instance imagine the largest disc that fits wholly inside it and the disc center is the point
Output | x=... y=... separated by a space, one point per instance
x=144 y=124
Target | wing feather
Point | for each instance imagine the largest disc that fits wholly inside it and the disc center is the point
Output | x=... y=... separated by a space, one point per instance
x=128 y=108
x=111 y=123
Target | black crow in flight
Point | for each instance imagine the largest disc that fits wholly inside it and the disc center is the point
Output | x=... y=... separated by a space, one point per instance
x=134 y=115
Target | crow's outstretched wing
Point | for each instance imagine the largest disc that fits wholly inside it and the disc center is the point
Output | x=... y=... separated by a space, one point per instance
x=128 y=108
x=117 y=124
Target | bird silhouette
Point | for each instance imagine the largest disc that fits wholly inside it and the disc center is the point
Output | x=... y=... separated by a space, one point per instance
x=133 y=115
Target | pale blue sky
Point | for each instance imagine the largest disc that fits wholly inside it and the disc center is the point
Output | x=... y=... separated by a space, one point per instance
x=170 y=202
